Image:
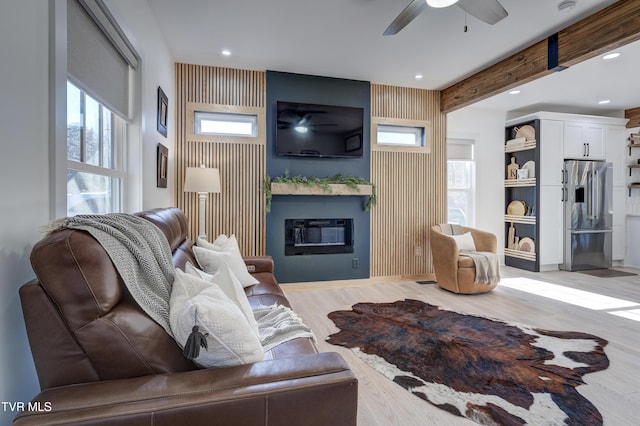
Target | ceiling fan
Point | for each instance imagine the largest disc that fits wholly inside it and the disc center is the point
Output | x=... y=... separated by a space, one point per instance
x=489 y=11
x=301 y=123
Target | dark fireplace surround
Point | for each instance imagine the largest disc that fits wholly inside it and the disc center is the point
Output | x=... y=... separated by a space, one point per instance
x=319 y=257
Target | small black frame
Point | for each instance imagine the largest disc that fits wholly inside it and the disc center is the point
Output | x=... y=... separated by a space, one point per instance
x=163 y=106
x=163 y=166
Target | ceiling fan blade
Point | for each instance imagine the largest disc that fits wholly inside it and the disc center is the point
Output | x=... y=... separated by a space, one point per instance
x=409 y=13
x=489 y=11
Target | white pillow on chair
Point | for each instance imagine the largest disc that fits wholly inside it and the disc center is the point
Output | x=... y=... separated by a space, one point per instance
x=465 y=242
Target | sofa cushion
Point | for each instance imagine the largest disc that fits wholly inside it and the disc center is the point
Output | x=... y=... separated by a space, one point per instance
x=225 y=279
x=212 y=256
x=230 y=338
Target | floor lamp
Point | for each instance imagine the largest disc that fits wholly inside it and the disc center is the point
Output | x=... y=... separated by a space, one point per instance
x=203 y=181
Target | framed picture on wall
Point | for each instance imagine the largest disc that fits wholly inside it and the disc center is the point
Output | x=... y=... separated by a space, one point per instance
x=163 y=105
x=163 y=166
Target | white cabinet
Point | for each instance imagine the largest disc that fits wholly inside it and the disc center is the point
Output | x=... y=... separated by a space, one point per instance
x=616 y=140
x=551 y=225
x=619 y=240
x=584 y=141
x=551 y=155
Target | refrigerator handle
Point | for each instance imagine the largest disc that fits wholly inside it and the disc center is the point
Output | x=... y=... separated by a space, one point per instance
x=595 y=203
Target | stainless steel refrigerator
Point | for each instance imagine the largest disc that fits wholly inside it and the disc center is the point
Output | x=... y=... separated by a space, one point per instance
x=587 y=196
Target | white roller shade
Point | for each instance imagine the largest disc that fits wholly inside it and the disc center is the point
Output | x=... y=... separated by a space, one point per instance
x=460 y=149
x=94 y=61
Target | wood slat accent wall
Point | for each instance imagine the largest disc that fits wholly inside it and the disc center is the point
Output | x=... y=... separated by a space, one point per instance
x=411 y=187
x=240 y=207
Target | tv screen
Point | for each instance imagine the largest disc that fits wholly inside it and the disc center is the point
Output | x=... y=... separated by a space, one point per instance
x=310 y=130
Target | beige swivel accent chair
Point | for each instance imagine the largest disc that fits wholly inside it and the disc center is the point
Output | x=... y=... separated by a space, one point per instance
x=454 y=270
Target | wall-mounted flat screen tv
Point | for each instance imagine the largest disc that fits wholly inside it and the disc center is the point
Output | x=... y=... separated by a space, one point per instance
x=311 y=130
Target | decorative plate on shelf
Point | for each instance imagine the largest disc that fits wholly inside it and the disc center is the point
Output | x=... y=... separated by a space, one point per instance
x=527 y=132
x=527 y=244
x=531 y=166
x=517 y=208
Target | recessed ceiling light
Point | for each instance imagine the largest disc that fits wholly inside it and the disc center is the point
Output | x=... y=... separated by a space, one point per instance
x=611 y=55
x=226 y=52
x=605 y=101
x=418 y=76
x=514 y=92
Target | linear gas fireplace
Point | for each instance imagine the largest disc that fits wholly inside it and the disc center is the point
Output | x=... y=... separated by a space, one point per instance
x=318 y=236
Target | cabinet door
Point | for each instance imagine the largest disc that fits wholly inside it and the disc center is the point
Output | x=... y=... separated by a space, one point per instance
x=594 y=138
x=551 y=155
x=619 y=215
x=550 y=220
x=574 y=145
x=617 y=153
x=583 y=141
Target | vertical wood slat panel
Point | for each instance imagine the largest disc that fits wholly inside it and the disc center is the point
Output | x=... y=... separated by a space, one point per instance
x=411 y=187
x=240 y=206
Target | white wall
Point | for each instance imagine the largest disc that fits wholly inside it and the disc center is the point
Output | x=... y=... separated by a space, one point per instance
x=157 y=69
x=25 y=163
x=23 y=181
x=486 y=127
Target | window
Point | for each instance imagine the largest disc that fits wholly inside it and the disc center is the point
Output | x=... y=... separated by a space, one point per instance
x=460 y=182
x=95 y=138
x=226 y=124
x=400 y=135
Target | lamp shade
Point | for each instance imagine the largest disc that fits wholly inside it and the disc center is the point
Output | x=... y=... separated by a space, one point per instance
x=201 y=179
x=441 y=3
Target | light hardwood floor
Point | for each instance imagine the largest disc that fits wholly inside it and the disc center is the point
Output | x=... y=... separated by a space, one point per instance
x=614 y=391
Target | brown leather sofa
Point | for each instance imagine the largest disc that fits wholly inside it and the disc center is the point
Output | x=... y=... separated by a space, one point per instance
x=455 y=271
x=101 y=360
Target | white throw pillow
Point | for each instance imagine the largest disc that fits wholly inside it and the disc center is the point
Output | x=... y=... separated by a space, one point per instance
x=211 y=256
x=464 y=242
x=228 y=282
x=230 y=340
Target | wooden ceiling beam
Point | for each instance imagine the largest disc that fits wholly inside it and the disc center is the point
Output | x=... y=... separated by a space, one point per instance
x=610 y=28
x=634 y=117
x=523 y=67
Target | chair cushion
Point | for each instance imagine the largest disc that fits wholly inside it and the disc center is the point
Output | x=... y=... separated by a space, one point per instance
x=465 y=261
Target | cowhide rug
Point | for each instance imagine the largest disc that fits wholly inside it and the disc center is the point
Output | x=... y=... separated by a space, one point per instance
x=492 y=372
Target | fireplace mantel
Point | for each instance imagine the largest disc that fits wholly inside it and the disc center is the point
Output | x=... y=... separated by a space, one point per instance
x=334 y=189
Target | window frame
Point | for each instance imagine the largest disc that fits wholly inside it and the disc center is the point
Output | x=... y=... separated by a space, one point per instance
x=195 y=107
x=383 y=122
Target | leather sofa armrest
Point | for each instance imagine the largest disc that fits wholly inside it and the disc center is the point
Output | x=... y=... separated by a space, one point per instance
x=315 y=389
x=257 y=264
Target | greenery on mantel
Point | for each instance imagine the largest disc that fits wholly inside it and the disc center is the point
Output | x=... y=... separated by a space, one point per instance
x=324 y=184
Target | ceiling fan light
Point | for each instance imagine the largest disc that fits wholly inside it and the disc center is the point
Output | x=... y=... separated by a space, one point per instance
x=441 y=3
x=301 y=129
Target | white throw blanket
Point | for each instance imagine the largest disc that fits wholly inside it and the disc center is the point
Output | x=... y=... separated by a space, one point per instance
x=140 y=252
x=278 y=324
x=487 y=266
